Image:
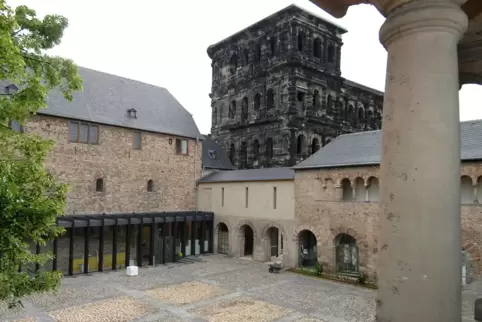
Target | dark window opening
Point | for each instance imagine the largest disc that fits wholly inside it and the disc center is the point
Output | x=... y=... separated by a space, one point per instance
x=317 y=48
x=233 y=63
x=132 y=113
x=316 y=99
x=300 y=147
x=99 y=185
x=272 y=45
x=150 y=186
x=329 y=105
x=269 y=148
x=244 y=109
x=315 y=145
x=232 y=110
x=331 y=54
x=301 y=97
x=256 y=150
x=212 y=155
x=243 y=155
x=232 y=153
x=361 y=115
x=259 y=52
x=270 y=99
x=301 y=40
x=257 y=101
x=83 y=133
x=181 y=146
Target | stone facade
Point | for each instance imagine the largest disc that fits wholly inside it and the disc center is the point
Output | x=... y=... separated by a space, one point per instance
x=277 y=91
x=339 y=201
x=124 y=170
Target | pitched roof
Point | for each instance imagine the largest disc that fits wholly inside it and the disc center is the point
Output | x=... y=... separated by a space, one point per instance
x=214 y=156
x=106 y=99
x=266 y=174
x=363 y=148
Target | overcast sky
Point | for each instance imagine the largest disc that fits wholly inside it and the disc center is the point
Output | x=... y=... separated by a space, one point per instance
x=164 y=42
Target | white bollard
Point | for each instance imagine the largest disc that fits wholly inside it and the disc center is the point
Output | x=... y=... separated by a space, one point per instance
x=132 y=271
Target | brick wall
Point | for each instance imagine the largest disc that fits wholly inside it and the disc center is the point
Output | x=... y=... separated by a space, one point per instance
x=319 y=207
x=125 y=171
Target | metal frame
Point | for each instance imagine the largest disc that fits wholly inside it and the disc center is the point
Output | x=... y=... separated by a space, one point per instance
x=153 y=220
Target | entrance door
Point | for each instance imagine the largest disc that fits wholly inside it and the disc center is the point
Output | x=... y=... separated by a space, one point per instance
x=248 y=241
x=158 y=245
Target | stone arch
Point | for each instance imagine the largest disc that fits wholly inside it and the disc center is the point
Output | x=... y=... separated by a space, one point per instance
x=246 y=222
x=271 y=225
x=348 y=231
x=222 y=222
x=300 y=228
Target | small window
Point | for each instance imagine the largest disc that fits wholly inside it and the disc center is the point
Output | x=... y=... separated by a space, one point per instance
x=16 y=127
x=83 y=133
x=212 y=155
x=93 y=134
x=150 y=186
x=181 y=146
x=274 y=197
x=137 y=140
x=246 y=197
x=99 y=185
x=73 y=131
x=222 y=197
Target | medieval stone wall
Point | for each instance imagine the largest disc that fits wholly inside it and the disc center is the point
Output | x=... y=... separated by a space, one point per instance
x=125 y=171
x=277 y=91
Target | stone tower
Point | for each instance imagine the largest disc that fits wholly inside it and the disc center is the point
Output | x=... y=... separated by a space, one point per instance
x=277 y=91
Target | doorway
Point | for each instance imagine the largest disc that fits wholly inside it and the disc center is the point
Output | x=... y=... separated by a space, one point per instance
x=248 y=240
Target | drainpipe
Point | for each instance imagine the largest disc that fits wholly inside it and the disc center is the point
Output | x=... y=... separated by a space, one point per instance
x=195 y=176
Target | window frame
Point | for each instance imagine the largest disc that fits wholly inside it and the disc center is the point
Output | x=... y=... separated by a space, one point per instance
x=78 y=132
x=21 y=130
x=134 y=133
x=179 y=146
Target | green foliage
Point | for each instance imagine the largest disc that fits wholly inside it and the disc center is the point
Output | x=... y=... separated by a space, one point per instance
x=363 y=278
x=30 y=199
x=319 y=268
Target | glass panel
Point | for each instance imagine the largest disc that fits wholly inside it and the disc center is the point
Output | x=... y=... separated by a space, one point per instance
x=108 y=247
x=184 y=146
x=94 y=240
x=137 y=140
x=79 y=248
x=133 y=245
x=93 y=134
x=146 y=244
x=73 y=128
x=63 y=252
x=189 y=245
x=48 y=248
x=84 y=131
x=121 y=246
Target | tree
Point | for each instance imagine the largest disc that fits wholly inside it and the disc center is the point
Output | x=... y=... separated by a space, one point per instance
x=30 y=198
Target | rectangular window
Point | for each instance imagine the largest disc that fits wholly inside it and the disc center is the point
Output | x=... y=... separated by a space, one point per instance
x=137 y=140
x=83 y=133
x=246 y=198
x=222 y=197
x=181 y=146
x=274 y=197
x=15 y=126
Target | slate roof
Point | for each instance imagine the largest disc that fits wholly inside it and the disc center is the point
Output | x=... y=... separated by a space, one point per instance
x=267 y=174
x=106 y=99
x=220 y=161
x=363 y=148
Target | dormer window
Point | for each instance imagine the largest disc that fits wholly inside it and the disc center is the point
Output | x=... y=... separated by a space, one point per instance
x=212 y=154
x=132 y=113
x=10 y=89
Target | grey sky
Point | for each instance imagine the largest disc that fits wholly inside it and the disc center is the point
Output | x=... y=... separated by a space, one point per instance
x=164 y=42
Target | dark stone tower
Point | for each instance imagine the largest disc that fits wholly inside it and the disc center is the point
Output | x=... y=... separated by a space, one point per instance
x=277 y=91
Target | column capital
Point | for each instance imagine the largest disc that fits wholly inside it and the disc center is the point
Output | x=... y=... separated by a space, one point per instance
x=422 y=16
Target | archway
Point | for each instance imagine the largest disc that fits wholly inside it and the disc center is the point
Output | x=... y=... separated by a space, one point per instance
x=346 y=254
x=223 y=239
x=247 y=240
x=307 y=249
x=273 y=237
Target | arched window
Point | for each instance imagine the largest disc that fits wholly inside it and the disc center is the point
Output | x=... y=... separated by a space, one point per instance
x=256 y=150
x=215 y=118
x=369 y=118
x=150 y=186
x=269 y=148
x=301 y=40
x=272 y=45
x=331 y=54
x=350 y=113
x=361 y=115
x=234 y=63
x=232 y=109
x=373 y=190
x=347 y=190
x=329 y=105
x=259 y=52
x=244 y=109
x=270 y=99
x=99 y=185
x=317 y=48
x=316 y=99
x=232 y=153
x=257 y=101
x=300 y=146
x=315 y=145
x=466 y=190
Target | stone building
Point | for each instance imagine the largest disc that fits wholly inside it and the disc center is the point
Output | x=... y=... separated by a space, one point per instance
x=131 y=155
x=328 y=208
x=278 y=94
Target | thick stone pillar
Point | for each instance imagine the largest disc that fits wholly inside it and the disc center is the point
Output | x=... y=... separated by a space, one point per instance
x=419 y=260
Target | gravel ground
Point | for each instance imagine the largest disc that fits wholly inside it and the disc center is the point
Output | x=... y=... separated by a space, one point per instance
x=185 y=293
x=241 y=309
x=27 y=319
x=311 y=320
x=121 y=309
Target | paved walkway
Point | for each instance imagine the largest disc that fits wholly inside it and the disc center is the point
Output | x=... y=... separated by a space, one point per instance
x=216 y=289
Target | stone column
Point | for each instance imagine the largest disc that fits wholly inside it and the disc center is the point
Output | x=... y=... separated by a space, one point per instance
x=420 y=243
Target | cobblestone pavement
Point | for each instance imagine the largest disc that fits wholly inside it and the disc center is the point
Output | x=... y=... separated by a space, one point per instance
x=213 y=288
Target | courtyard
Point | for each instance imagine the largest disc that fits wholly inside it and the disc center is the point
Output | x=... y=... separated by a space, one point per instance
x=210 y=288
